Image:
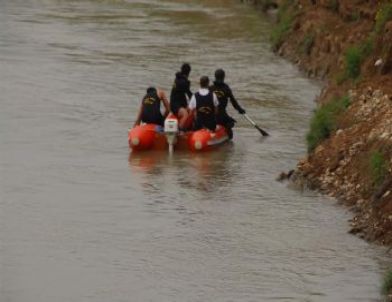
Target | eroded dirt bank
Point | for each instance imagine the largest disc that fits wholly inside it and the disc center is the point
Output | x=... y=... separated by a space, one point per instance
x=348 y=44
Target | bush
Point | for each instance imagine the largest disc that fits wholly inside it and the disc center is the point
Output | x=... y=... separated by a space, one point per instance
x=383 y=16
x=353 y=62
x=325 y=121
x=378 y=167
x=355 y=55
x=387 y=283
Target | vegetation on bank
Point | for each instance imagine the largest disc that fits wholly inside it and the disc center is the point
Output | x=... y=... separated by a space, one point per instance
x=307 y=43
x=378 y=168
x=285 y=18
x=384 y=15
x=387 y=283
x=333 y=5
x=354 y=58
x=325 y=120
x=356 y=55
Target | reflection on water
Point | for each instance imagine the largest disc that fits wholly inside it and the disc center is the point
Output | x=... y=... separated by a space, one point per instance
x=206 y=171
x=82 y=221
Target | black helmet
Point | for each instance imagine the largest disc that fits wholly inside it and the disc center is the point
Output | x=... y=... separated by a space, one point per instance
x=220 y=75
x=151 y=90
x=186 y=69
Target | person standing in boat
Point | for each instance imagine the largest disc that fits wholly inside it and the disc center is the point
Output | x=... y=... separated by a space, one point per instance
x=224 y=94
x=180 y=94
x=150 y=108
x=204 y=105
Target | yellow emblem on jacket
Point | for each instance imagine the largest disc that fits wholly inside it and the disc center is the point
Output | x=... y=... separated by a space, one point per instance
x=219 y=93
x=149 y=101
x=206 y=110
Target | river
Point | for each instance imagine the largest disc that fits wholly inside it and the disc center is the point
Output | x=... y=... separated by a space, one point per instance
x=83 y=219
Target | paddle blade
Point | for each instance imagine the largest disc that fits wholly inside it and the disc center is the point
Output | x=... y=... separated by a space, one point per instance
x=263 y=133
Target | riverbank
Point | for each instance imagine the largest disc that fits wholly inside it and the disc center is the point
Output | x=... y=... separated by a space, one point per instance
x=349 y=46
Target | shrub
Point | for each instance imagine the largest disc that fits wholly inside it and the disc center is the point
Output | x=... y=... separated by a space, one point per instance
x=325 y=121
x=387 y=283
x=383 y=16
x=378 y=167
x=355 y=55
x=353 y=62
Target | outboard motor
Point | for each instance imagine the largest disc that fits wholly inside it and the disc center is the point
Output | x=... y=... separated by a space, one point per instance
x=171 y=131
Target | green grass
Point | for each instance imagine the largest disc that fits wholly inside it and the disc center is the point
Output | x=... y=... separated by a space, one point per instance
x=281 y=30
x=285 y=22
x=354 y=57
x=355 y=16
x=333 y=5
x=378 y=167
x=353 y=62
x=367 y=46
x=383 y=16
x=307 y=43
x=325 y=120
x=387 y=283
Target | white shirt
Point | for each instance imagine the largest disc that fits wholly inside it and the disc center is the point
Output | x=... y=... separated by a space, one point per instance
x=203 y=92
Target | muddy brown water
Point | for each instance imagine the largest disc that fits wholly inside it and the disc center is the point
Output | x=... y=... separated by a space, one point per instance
x=82 y=219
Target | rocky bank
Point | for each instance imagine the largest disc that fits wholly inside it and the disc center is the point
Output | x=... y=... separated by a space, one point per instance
x=348 y=44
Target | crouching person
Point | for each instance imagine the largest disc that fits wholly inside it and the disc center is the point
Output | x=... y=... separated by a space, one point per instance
x=150 y=108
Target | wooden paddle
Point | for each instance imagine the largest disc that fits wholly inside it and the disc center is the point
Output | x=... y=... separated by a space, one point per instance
x=263 y=133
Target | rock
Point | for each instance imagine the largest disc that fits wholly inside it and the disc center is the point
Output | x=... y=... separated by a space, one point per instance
x=352 y=94
x=355 y=230
x=360 y=202
x=378 y=62
x=282 y=176
x=340 y=131
x=319 y=149
x=377 y=94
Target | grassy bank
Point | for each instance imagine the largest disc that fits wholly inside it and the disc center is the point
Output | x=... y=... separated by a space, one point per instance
x=349 y=45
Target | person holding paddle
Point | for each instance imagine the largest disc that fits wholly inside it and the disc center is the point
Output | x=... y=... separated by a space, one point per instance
x=224 y=94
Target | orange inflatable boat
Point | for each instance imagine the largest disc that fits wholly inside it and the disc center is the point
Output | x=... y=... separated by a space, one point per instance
x=147 y=137
x=155 y=137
